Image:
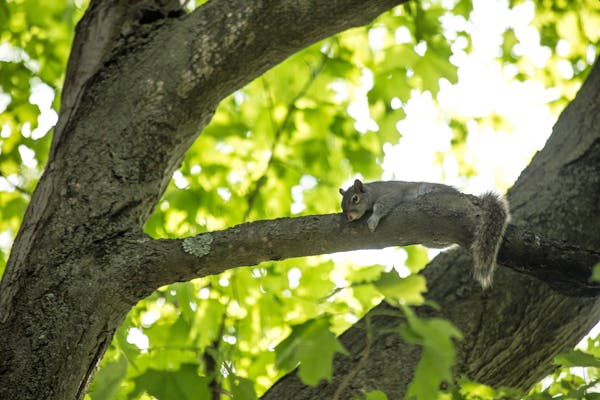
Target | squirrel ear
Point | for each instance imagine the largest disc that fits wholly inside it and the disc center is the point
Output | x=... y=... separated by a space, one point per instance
x=358 y=186
x=342 y=191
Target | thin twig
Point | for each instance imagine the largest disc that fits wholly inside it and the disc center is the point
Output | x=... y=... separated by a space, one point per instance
x=211 y=363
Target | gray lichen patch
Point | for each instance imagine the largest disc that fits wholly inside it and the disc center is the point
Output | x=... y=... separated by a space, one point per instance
x=198 y=245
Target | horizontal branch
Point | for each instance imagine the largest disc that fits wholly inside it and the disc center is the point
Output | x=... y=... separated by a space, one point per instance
x=563 y=266
x=437 y=219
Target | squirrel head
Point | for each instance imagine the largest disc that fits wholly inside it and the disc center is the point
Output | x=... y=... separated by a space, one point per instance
x=355 y=201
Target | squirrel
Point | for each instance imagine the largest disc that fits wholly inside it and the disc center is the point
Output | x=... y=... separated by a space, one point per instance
x=382 y=197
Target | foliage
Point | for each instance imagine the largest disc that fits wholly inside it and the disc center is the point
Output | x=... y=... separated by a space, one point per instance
x=570 y=36
x=282 y=146
x=312 y=346
x=576 y=379
x=435 y=336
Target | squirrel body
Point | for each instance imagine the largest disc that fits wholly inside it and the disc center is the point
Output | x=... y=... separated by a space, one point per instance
x=382 y=197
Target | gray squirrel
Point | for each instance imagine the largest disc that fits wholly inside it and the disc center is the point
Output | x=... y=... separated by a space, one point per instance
x=382 y=197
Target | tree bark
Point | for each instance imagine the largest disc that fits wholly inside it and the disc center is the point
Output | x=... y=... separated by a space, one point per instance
x=142 y=82
x=512 y=331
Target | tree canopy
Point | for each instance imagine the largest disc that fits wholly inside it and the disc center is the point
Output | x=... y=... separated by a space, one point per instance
x=298 y=118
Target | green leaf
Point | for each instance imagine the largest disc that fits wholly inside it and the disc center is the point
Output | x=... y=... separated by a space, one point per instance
x=108 y=379
x=183 y=295
x=427 y=22
x=130 y=351
x=365 y=274
x=373 y=395
x=434 y=65
x=399 y=291
x=508 y=43
x=549 y=35
x=596 y=273
x=241 y=388
x=463 y=8
x=312 y=345
x=435 y=336
x=182 y=384
x=390 y=84
x=169 y=333
x=207 y=323
x=417 y=259
x=577 y=358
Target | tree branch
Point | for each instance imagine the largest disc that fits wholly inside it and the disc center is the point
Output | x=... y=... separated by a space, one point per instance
x=435 y=219
x=565 y=267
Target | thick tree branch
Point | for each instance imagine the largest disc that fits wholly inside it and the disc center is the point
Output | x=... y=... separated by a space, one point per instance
x=435 y=219
x=166 y=261
x=241 y=40
x=565 y=267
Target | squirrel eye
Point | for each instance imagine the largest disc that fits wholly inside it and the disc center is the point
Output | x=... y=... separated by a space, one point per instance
x=355 y=199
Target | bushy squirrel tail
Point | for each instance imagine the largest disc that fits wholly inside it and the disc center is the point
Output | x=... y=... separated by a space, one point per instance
x=488 y=236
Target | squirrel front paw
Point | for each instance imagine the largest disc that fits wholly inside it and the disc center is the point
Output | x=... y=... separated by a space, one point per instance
x=372 y=223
